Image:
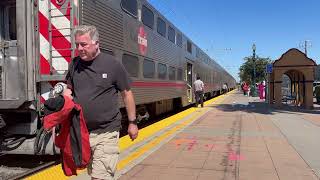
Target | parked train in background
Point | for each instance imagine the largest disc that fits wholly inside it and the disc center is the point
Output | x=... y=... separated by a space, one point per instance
x=36 y=45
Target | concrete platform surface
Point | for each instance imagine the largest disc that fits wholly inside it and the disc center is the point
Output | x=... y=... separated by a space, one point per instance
x=238 y=138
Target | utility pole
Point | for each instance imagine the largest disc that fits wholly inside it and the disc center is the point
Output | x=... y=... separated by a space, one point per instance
x=254 y=70
x=305 y=45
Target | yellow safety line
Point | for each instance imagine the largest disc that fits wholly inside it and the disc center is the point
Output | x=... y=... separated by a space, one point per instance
x=154 y=143
x=56 y=172
x=122 y=163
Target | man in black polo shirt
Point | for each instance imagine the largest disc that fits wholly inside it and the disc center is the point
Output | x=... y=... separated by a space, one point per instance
x=96 y=78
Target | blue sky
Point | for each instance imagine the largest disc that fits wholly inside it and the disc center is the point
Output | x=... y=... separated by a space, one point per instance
x=227 y=29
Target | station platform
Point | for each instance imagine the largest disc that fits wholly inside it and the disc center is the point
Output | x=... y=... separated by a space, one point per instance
x=234 y=137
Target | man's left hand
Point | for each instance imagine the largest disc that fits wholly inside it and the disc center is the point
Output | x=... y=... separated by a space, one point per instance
x=133 y=131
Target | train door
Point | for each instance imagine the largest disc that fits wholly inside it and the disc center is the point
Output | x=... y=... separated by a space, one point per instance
x=189 y=79
x=9 y=67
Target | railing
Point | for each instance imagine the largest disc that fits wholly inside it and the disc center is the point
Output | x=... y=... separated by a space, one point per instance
x=52 y=37
x=189 y=93
x=289 y=99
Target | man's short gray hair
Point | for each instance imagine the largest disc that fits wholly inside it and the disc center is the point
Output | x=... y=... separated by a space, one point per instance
x=83 y=29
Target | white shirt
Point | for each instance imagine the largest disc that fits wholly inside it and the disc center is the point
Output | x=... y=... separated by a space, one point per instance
x=198 y=85
x=224 y=86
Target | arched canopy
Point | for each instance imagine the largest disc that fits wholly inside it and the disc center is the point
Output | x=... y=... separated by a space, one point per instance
x=300 y=69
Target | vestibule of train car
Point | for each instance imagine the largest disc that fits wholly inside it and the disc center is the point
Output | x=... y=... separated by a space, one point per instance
x=18 y=118
x=8 y=51
x=189 y=79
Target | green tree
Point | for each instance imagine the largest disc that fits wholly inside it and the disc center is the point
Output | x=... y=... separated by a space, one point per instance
x=246 y=69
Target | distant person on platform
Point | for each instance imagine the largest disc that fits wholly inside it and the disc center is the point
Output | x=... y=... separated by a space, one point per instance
x=225 y=88
x=198 y=91
x=246 y=89
x=261 y=88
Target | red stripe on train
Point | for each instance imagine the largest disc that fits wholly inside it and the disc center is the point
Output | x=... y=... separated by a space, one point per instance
x=44 y=65
x=158 y=84
x=42 y=100
x=67 y=11
x=58 y=40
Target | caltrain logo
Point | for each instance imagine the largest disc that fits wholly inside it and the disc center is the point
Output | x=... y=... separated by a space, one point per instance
x=142 y=41
x=60 y=2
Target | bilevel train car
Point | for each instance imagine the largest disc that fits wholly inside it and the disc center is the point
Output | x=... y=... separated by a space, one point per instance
x=36 y=45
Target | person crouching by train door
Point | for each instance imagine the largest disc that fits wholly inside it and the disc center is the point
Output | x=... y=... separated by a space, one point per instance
x=198 y=91
x=96 y=78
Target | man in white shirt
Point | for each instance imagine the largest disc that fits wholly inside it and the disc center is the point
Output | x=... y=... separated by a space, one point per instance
x=198 y=91
x=225 y=88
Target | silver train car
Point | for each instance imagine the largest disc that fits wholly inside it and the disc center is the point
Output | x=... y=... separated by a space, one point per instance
x=36 y=45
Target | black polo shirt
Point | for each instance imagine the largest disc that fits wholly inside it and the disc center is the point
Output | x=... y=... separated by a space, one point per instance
x=96 y=85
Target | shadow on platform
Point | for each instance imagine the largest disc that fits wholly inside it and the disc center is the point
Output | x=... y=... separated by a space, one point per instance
x=263 y=108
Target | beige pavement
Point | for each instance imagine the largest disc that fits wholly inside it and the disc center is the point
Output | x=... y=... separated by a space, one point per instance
x=237 y=139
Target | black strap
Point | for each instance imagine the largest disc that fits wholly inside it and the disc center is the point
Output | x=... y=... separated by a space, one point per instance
x=72 y=69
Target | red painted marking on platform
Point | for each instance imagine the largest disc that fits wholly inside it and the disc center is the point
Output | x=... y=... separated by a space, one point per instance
x=191 y=144
x=178 y=142
x=183 y=141
x=235 y=157
x=209 y=146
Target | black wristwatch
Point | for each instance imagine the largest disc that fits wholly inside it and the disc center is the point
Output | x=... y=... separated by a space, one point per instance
x=135 y=122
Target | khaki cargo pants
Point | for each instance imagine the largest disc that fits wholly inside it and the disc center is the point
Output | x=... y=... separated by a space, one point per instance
x=105 y=153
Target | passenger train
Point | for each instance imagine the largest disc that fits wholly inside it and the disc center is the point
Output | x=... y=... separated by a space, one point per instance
x=36 y=45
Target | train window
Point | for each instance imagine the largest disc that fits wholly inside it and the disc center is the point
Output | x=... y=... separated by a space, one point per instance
x=161 y=27
x=162 y=71
x=172 y=73
x=130 y=7
x=171 y=34
x=131 y=63
x=189 y=47
x=179 y=75
x=148 y=69
x=198 y=52
x=179 y=39
x=147 y=17
x=12 y=23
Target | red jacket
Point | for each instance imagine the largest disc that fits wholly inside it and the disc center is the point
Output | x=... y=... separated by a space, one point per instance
x=73 y=138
